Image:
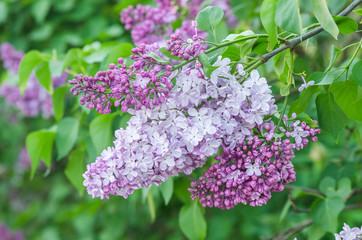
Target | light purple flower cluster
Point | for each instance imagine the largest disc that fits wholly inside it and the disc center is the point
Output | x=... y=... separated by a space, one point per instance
x=178 y=135
x=148 y=24
x=35 y=99
x=185 y=49
x=349 y=233
x=145 y=82
x=6 y=234
x=10 y=57
x=249 y=172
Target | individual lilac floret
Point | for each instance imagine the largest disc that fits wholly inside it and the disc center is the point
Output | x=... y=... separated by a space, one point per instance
x=10 y=57
x=147 y=24
x=198 y=117
x=305 y=85
x=249 y=172
x=349 y=233
x=6 y=234
x=143 y=83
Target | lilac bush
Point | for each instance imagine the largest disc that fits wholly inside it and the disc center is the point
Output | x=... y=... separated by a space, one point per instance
x=35 y=99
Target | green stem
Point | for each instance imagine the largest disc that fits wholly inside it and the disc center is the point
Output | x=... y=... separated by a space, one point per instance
x=218 y=46
x=282 y=112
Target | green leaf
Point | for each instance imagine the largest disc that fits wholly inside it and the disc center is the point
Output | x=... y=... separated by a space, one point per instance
x=321 y=78
x=346 y=25
x=243 y=9
x=287 y=16
x=3 y=12
x=279 y=63
x=348 y=96
x=67 y=132
x=327 y=185
x=27 y=65
x=208 y=18
x=40 y=145
x=58 y=98
x=285 y=90
x=40 y=10
x=245 y=48
x=122 y=50
x=325 y=213
x=232 y=52
x=100 y=130
x=157 y=58
x=73 y=59
x=267 y=16
x=75 y=168
x=206 y=66
x=42 y=72
x=167 y=190
x=358 y=11
x=285 y=210
x=303 y=117
x=357 y=72
x=324 y=17
x=315 y=232
x=151 y=206
x=330 y=116
x=192 y=222
x=334 y=54
x=301 y=103
x=123 y=123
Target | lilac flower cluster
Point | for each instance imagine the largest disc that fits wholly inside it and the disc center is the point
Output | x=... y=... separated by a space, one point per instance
x=349 y=233
x=178 y=135
x=10 y=57
x=185 y=49
x=148 y=24
x=253 y=169
x=145 y=82
x=35 y=99
x=6 y=234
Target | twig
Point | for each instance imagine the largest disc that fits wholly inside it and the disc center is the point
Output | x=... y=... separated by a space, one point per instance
x=354 y=192
x=296 y=209
x=307 y=190
x=350 y=132
x=352 y=206
x=291 y=231
x=292 y=43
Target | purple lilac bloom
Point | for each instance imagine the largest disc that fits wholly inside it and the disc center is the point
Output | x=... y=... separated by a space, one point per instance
x=132 y=87
x=35 y=100
x=148 y=24
x=249 y=172
x=10 y=57
x=349 y=233
x=162 y=140
x=6 y=234
x=152 y=24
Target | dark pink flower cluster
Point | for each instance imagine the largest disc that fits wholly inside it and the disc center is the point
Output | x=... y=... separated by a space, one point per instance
x=148 y=24
x=185 y=48
x=144 y=81
x=249 y=172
